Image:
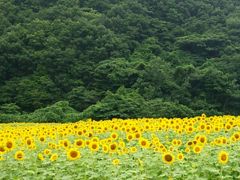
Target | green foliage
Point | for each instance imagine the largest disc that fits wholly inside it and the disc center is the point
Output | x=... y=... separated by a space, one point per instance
x=30 y=93
x=11 y=108
x=80 y=98
x=207 y=45
x=184 y=53
x=159 y=108
x=122 y=104
x=58 y=112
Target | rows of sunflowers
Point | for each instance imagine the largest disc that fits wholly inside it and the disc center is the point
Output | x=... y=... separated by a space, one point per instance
x=148 y=148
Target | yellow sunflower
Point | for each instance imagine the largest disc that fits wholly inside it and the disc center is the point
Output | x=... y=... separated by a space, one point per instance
x=180 y=156
x=54 y=157
x=9 y=144
x=1 y=158
x=116 y=162
x=19 y=155
x=2 y=149
x=144 y=143
x=47 y=151
x=133 y=149
x=73 y=154
x=105 y=148
x=223 y=157
x=79 y=143
x=94 y=146
x=113 y=147
x=197 y=149
x=114 y=135
x=40 y=156
x=168 y=158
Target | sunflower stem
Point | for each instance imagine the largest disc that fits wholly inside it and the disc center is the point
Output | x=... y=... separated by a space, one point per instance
x=221 y=172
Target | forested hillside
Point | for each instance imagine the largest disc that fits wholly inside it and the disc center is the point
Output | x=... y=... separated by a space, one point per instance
x=119 y=58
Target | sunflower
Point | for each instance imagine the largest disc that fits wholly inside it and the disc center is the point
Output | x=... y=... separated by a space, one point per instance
x=79 y=132
x=94 y=146
x=237 y=136
x=79 y=143
x=122 y=144
x=144 y=143
x=179 y=142
x=9 y=144
x=133 y=149
x=19 y=155
x=40 y=156
x=180 y=156
x=138 y=135
x=54 y=157
x=65 y=143
x=202 y=127
x=42 y=138
x=190 y=129
x=116 y=162
x=29 y=141
x=228 y=126
x=174 y=142
x=223 y=157
x=197 y=149
x=189 y=143
x=95 y=139
x=87 y=142
x=1 y=158
x=224 y=140
x=47 y=151
x=168 y=158
x=114 y=136
x=202 y=139
x=113 y=147
x=105 y=148
x=2 y=149
x=130 y=137
x=73 y=154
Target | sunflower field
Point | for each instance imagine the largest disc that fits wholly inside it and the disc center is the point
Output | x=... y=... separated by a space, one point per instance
x=149 y=148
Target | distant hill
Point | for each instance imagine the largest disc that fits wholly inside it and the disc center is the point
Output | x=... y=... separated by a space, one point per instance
x=121 y=58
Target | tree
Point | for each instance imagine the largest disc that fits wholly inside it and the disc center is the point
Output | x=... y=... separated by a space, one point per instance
x=122 y=104
x=30 y=93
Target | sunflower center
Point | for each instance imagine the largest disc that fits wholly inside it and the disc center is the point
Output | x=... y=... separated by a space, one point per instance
x=224 y=157
x=94 y=146
x=168 y=158
x=9 y=144
x=79 y=143
x=189 y=143
x=73 y=154
x=29 y=142
x=113 y=147
x=197 y=149
x=143 y=143
x=19 y=156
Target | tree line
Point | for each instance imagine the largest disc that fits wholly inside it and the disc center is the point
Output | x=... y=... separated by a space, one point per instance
x=118 y=58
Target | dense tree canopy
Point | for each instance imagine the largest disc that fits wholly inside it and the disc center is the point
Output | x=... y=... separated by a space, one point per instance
x=120 y=58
